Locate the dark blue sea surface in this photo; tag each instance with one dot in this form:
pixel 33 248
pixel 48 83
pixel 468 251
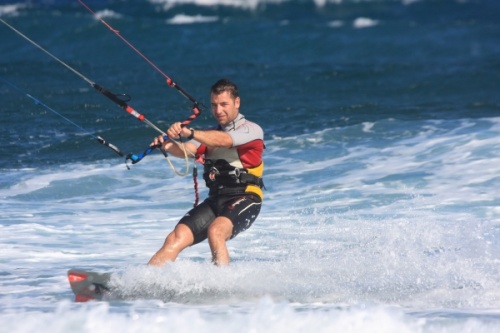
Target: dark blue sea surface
pixel 300 67
pixel 382 123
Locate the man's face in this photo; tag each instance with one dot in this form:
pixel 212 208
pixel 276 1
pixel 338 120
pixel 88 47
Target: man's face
pixel 224 107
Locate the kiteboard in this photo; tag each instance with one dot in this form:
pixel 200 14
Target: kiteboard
pixel 89 286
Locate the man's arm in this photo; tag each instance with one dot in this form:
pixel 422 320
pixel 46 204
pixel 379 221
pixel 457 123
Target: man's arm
pixel 177 150
pixel 211 138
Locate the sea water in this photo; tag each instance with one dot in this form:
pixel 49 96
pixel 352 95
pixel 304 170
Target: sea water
pixel 382 123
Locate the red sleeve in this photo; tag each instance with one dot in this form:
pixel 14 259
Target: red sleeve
pixel 250 153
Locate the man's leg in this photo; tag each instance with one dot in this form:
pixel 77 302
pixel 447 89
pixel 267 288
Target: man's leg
pixel 219 232
pixel 237 215
pixel 180 238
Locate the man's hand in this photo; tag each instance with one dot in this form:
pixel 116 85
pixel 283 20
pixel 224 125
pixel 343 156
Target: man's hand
pixel 160 140
pixel 177 131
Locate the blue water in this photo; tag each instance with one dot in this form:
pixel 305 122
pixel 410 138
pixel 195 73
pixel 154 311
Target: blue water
pixel 382 123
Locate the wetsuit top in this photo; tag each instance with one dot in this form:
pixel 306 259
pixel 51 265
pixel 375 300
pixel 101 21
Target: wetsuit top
pixel 245 155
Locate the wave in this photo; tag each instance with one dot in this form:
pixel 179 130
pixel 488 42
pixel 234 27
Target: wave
pixel 363 22
pixel 243 4
pixel 186 19
pixel 106 13
pixel 263 316
pixel 359 23
pixel 254 4
pixel 11 10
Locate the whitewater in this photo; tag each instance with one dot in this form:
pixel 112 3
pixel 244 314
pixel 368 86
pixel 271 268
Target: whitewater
pixel 355 239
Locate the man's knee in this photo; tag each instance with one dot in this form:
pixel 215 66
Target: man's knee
pixel 221 228
pixel 180 237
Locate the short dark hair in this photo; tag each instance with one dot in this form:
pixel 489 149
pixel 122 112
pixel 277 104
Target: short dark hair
pixel 225 85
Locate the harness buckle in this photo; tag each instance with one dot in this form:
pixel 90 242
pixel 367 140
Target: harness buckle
pixel 236 172
pixel 213 173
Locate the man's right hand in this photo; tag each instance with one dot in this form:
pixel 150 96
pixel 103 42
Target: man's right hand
pixel 159 141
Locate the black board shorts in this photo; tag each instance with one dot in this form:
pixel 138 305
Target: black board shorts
pixel 241 209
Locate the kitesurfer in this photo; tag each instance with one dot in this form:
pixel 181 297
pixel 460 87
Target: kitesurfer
pixel 232 157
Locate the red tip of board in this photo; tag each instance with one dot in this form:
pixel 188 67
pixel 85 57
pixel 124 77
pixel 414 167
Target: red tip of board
pixel 83 298
pixel 75 277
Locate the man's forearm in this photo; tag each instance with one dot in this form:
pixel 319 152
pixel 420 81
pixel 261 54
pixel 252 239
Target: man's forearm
pixel 213 138
pixel 177 151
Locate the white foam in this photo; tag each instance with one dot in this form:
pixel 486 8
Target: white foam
pixel 12 9
pixel 186 19
pixel 322 3
pixel 364 22
pixel 244 4
pixel 107 13
pixel 263 316
pixel 375 213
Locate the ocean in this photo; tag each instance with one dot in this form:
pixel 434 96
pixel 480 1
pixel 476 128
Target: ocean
pixel 382 123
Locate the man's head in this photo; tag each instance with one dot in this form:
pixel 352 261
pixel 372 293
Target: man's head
pixel 225 101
